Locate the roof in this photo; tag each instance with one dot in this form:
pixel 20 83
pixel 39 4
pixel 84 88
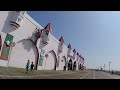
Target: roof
pixel 69 46
pixel 48 27
pixel 79 55
pixel 74 51
pixel 61 39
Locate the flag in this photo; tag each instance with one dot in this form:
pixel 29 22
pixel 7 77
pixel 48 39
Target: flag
pixel 41 57
pixel 6 47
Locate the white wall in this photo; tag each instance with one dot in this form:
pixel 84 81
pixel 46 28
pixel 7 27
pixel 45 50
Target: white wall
pixel 27 28
pixel 20 55
pixel 3 22
pixel 22 52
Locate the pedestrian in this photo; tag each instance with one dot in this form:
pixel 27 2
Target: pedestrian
pixel 27 66
pixel 112 72
pixel 69 66
pixel 31 67
pixel 64 68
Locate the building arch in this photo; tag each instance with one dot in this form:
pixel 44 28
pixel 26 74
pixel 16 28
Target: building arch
pixel 70 60
pixel 70 64
pixel 24 49
pixel 50 61
pixel 63 63
pixel 80 66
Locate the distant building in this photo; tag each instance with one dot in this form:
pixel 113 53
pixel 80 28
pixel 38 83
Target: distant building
pixel 22 39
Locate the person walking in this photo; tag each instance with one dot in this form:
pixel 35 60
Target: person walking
pixel 69 66
pixel 31 67
pixel 27 66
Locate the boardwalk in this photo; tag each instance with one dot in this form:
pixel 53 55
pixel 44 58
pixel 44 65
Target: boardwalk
pixel 87 74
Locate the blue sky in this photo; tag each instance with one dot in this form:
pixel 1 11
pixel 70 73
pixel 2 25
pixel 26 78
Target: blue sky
pixel 94 34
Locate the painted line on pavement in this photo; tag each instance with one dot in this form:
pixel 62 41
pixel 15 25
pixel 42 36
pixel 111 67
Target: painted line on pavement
pixel 85 75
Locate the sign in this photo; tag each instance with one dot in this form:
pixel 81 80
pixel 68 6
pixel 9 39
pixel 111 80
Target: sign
pixel 6 47
pixel 41 57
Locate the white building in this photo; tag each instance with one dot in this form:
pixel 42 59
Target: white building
pixel 22 39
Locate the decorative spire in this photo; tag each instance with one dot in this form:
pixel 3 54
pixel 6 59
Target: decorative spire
pixel 83 58
pixel 77 53
pixel 48 27
pixel 69 46
pixel 74 51
pixel 61 39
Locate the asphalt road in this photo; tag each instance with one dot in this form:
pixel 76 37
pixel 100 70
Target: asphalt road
pixel 87 74
pixel 90 74
pixel 99 75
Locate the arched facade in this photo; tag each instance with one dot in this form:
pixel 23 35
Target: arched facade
pixel 62 63
pixel 26 50
pixel 29 43
pixel 50 61
pixel 70 64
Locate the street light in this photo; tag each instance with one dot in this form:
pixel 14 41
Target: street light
pixel 104 67
pixel 109 66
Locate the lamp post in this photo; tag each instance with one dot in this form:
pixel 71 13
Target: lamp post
pixel 109 66
pixel 104 67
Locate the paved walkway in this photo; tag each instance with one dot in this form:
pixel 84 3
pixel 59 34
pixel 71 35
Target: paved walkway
pixel 87 74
